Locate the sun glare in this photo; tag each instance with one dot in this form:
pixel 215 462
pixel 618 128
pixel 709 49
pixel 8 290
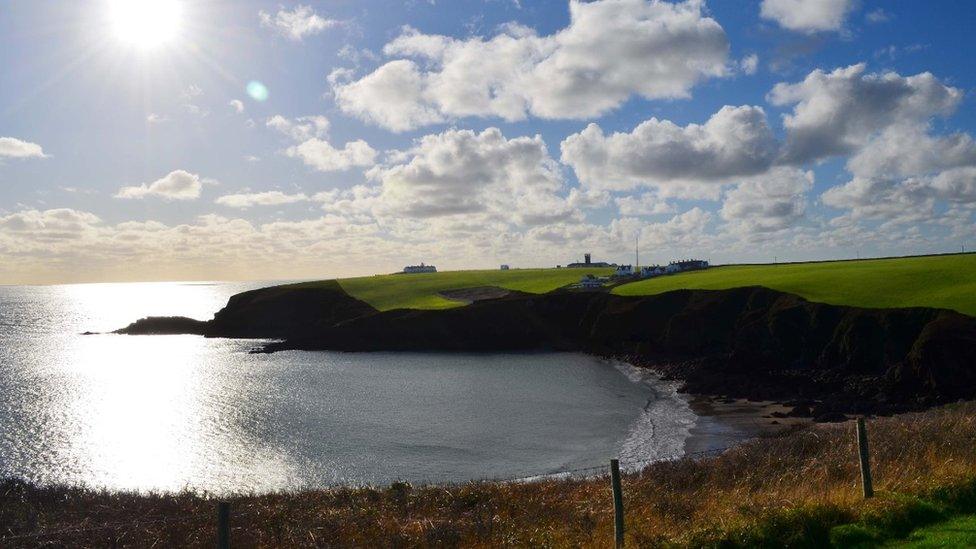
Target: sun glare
pixel 145 23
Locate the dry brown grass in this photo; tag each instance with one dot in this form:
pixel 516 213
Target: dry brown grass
pixel 722 500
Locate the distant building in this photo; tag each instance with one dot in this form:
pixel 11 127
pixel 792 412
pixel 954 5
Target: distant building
pixel 411 269
pixel 651 271
pixel 686 265
pixel 504 267
pixel 589 263
pixel 624 270
pixel 590 282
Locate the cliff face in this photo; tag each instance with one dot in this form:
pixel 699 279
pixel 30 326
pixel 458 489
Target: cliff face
pixel 745 342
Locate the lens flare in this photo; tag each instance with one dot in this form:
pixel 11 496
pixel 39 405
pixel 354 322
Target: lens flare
pixel 257 90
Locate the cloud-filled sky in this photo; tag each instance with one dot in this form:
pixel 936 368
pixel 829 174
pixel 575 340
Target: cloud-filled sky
pixel 207 140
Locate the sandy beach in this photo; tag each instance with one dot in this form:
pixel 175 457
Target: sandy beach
pixel 726 422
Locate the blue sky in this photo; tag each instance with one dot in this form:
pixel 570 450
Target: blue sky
pixel 473 133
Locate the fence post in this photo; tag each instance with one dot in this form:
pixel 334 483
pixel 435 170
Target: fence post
pixel 223 525
pixel 618 504
pixel 865 458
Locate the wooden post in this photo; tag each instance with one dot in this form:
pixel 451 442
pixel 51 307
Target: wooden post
pixel 865 458
pixel 223 525
pixel 618 504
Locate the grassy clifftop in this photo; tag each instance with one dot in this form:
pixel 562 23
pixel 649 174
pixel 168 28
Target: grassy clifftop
pixel 946 282
pixel 421 291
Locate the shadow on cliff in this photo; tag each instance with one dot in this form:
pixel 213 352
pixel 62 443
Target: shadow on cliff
pixel 745 343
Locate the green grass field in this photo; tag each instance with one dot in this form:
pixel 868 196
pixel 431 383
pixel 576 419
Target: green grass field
pixel 420 291
pixel 958 532
pixel 947 281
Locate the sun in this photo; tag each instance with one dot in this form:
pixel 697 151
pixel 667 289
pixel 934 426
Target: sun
pixel 146 24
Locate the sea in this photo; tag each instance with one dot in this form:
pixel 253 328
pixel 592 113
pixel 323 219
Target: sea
pixel 174 413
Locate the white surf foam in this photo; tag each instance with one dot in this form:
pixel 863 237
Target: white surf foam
pixel 659 432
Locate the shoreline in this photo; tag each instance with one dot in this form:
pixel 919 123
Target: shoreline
pixel 724 422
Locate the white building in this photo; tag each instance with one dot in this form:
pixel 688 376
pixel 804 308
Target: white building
pixel 686 265
pixel 652 271
pixel 410 269
pixel 590 282
pixel 624 270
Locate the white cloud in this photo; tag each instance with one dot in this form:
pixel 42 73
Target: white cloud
pixel 50 225
pixel 153 118
pixel 903 173
pixel 767 203
pixel 393 97
pixel 460 172
pixel 237 105
pixel 301 128
pixel 315 151
pixel 909 150
pixel 297 23
pixel 646 204
pixel 686 232
pixel 611 50
pixel 749 64
pixel 877 15
pixel 11 147
pixel 322 156
pixel 836 113
pixel 268 198
pixel 176 185
pixel 807 16
pixel 735 141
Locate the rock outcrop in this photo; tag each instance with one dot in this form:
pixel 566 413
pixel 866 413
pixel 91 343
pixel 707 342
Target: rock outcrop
pixel 746 342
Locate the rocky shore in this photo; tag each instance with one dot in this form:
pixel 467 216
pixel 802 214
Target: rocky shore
pixel 823 361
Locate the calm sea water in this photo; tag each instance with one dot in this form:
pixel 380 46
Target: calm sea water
pixel 173 412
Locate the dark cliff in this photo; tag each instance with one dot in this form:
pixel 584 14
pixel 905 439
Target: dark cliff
pixel 746 342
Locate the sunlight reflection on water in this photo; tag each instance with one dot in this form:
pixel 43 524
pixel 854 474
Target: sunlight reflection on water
pixel 168 412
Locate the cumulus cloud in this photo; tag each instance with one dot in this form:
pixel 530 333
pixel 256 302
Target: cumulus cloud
pixel 901 171
pixel 735 141
pixel 11 147
pixel 462 172
pixel 749 64
pixel 50 225
pixel 301 128
pixel 322 156
pixel 315 151
pixel 900 175
pixel 835 113
pixel 176 185
pixel 807 16
pixel 268 198
pixel 687 231
pixel 771 202
pixel 908 150
pixel 611 50
pixel 649 203
pixel 237 105
pixel 297 23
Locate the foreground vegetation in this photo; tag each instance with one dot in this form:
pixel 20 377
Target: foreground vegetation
pixel 421 291
pixel 799 490
pixel 946 281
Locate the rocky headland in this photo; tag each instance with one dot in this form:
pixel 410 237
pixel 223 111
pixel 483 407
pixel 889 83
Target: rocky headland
pixel 755 343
